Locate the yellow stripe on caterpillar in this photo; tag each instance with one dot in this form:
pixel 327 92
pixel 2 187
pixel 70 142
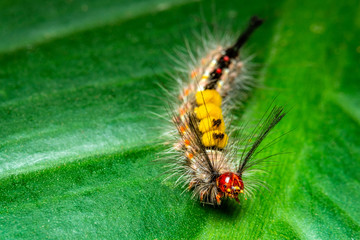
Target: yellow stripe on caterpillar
pixel 208 110
pixel 208 96
pixel 215 139
pixel 211 123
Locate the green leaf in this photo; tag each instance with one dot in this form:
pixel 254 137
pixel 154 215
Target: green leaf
pixel 76 82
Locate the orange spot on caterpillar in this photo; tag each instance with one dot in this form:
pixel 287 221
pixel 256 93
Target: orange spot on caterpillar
pixel 182 111
pixel 182 129
pixel 186 91
pixel 189 155
pixel 193 74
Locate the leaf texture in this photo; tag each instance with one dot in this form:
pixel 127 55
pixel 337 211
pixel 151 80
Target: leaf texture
pixel 76 82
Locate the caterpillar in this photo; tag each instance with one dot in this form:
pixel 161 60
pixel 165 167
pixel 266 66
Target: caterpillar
pixel 209 156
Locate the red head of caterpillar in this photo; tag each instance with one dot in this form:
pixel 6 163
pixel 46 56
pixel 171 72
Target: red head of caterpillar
pixel 204 156
pixel 230 184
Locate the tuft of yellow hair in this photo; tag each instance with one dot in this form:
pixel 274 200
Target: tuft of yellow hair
pixel 211 123
pixel 208 96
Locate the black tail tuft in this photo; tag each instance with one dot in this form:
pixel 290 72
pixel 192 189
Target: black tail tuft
pixel 254 23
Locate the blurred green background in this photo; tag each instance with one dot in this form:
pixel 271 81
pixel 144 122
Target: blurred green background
pixel 75 145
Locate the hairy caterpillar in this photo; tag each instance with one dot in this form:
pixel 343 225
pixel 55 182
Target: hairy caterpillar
pixel 202 158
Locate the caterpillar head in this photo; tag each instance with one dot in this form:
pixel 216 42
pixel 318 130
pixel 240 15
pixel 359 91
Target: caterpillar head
pixel 230 184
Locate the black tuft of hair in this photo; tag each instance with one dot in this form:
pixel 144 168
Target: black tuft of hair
pixel 254 23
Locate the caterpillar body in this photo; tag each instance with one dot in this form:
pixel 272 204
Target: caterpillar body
pixel 208 161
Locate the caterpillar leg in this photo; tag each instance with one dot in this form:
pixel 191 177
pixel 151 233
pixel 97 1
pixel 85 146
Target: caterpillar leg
pixel 202 196
pixel 191 185
pixel 218 197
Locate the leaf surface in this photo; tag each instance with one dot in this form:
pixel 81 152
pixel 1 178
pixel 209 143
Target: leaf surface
pixel 77 80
